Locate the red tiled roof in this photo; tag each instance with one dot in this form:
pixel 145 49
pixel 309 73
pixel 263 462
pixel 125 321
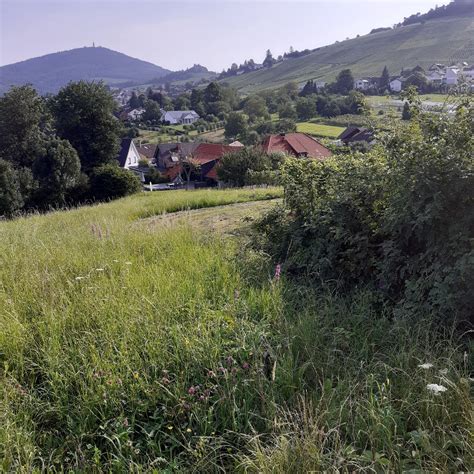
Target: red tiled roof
pixel 296 144
pixel 212 151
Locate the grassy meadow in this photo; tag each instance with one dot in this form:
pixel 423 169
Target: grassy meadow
pixel 319 130
pixel 135 339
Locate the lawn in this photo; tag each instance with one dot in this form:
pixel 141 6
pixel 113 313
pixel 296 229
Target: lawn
pixel 149 335
pixel 319 130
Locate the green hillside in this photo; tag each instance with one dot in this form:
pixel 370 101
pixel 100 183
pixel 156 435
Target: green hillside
pixel 444 41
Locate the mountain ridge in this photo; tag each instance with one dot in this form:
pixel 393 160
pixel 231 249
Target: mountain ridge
pixel 49 72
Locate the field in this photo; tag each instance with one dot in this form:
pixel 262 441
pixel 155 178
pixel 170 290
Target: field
pixel 146 335
pixel 151 136
pixel 439 41
pixel 319 130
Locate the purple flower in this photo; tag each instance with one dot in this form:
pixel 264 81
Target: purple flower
pixel 245 366
pixel 192 390
pixel 277 272
pixel 229 360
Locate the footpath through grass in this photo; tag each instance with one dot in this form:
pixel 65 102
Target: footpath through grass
pixel 134 347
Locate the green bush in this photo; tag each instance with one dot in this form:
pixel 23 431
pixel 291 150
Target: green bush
pixel 111 182
pixel 399 218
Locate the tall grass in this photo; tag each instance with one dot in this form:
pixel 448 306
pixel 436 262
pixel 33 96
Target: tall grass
pixel 130 348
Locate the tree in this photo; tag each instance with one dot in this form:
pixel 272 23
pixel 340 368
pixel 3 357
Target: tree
pixel 406 113
pixel 255 107
pixel 287 111
pixel 344 82
pixel 182 102
pixel 234 167
pixel 189 167
pixel 269 61
pixel 11 200
pixel 152 111
pixel 236 125
pixel 356 103
pixel 134 102
pixel 212 93
pixel 417 79
pixel 384 81
pixel 83 113
pixel 57 172
pixel 109 181
pixel 23 120
pixel 305 108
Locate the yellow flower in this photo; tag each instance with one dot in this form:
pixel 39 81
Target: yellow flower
pixel 188 430
pixel 135 375
pixel 170 427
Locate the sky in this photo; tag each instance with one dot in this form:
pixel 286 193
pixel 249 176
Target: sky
pixel 177 34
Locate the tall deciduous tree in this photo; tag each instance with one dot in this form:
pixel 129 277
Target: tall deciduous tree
pixel 10 195
pixel 57 171
pixel 236 125
pixel 83 113
pixel 22 123
pixel 384 82
pixel 344 82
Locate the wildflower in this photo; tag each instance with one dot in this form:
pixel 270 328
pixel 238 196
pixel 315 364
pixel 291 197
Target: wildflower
pixel 188 430
pixel 277 272
pixel 211 373
pixel 128 263
pixel 229 360
pixel 99 269
pixel 222 370
pixel 192 390
pixel 125 422
pixel 234 370
pixel 435 388
pixel 135 375
pixel 245 366
pixel 425 366
pixel 165 381
pixel 443 372
pixel 236 294
pixel 79 278
pixel 170 427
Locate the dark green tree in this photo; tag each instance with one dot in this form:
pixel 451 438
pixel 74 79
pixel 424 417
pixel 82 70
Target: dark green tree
pixel 83 113
pixel 134 101
pixel 406 112
pixel 344 82
pixel 11 200
pixel 236 125
pixel 212 93
pixel 384 81
pixel 57 171
pixel 255 107
pixel 110 182
pixel 23 120
pixel 269 61
pixel 305 108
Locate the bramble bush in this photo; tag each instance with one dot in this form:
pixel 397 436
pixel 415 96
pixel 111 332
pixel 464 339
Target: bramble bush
pixel 399 218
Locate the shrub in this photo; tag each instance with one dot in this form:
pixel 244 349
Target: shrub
pixel 399 218
pixel 11 199
pixel 111 182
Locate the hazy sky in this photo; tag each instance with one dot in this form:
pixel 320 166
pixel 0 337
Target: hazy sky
pixel 177 34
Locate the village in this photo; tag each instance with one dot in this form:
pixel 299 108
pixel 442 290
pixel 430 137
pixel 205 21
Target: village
pixel 187 137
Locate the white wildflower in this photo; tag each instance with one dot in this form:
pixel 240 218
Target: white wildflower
pixel 443 372
pixel 115 261
pixel 425 366
pixel 128 263
pixel 99 269
pixel 79 278
pixel 435 388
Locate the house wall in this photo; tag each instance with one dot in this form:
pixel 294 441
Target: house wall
pixel 133 157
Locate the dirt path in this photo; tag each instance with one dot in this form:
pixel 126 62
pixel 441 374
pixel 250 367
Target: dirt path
pixel 227 219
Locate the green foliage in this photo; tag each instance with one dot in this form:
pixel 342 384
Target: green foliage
pixel 406 114
pixel 22 123
pixel 57 172
pixel 236 125
pixel 154 176
pixel 399 218
pixel 111 182
pixel 83 113
pixel 152 111
pixel 344 82
pixel 11 199
pixel 305 108
pixel 249 166
pixel 255 108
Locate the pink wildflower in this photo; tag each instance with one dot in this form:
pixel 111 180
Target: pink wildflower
pixel 277 272
pixel 192 390
pixel 245 366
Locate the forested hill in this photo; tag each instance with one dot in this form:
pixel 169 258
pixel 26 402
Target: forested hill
pixel 445 40
pixel 48 73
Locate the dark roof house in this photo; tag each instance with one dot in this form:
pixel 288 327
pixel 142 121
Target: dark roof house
pixel 356 134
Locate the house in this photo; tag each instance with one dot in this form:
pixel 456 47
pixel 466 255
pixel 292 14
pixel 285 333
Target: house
pixel 168 157
pixel 129 158
pixel 356 134
pixel 435 78
pixel 146 151
pixel 296 144
pixel 396 85
pixel 179 117
pixel 452 76
pixel 362 84
pixel 136 114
